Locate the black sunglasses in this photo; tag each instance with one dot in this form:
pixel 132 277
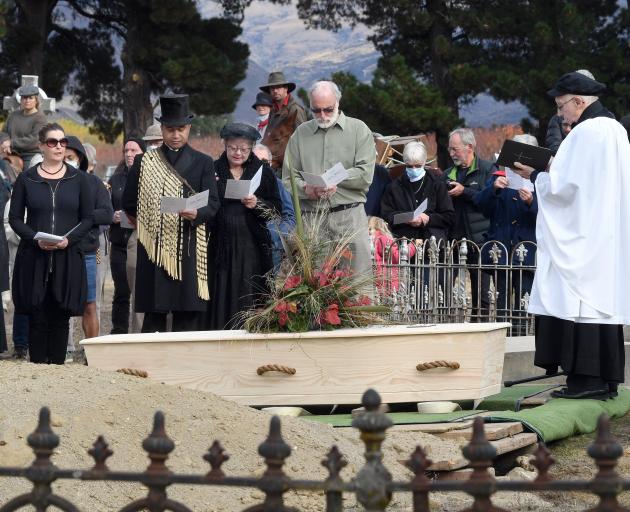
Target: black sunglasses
pixel 52 143
pixel 327 110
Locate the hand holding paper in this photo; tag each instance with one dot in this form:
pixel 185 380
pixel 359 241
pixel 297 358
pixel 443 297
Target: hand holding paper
pixel 408 217
pixel 240 189
pixel 333 176
pixel 177 204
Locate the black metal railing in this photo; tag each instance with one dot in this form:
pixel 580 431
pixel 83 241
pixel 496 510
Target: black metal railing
pixel 373 485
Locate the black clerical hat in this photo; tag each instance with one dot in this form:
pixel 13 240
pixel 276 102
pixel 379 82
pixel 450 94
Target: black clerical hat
pixel 175 111
pixel 576 83
pixel 262 98
pixel 239 130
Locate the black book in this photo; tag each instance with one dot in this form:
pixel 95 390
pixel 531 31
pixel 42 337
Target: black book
pixel 526 154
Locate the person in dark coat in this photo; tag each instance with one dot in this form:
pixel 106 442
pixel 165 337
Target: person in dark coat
pixel 172 266
pixel 103 213
pixel 4 266
pixel 380 182
pixel 49 279
pixel 241 247
pixel 465 178
pixel 119 237
pixel 512 214
pixel 410 190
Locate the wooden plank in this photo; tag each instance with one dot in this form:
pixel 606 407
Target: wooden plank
pixel 331 367
pixel 494 431
pixel 502 446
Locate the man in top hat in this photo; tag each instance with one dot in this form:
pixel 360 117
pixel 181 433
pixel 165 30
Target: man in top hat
pixel 262 106
pixel 153 136
pixel 171 271
pixel 580 294
pixel 285 113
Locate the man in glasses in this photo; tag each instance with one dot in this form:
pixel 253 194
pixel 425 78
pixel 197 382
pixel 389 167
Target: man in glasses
pixel 24 124
pixel 580 294
pixel 285 116
pixel 317 145
pixel 465 179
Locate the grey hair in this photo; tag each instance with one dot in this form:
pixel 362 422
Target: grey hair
pixel 262 147
pixel 466 134
pixel 526 138
pixel 414 153
pixel 587 99
pixel 325 84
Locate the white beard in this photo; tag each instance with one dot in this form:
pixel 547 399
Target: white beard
pixel 327 124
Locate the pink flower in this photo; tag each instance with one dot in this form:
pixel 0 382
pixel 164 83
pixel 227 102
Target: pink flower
pixel 292 282
pixel 330 315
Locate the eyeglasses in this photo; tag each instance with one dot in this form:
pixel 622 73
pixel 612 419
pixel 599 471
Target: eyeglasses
pixel 52 143
pixel 327 110
pixel 559 107
pixel 236 149
pixel 27 97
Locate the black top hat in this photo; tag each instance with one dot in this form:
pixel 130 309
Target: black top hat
pixel 175 111
pixel 276 78
pixel 262 98
pixel 576 83
pixel 239 130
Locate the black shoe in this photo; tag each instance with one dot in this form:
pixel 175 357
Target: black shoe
pixel 20 354
pixel 612 389
pixel 593 394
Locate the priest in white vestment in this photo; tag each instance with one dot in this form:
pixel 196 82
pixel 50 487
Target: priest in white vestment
pixel 580 295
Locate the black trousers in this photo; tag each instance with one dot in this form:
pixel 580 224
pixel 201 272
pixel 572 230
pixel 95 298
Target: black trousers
pixel 182 321
pixel 122 292
pixel 48 332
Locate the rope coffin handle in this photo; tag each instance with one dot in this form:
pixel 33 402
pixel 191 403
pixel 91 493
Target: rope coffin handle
pixel 134 372
pixel 261 370
pixel 453 365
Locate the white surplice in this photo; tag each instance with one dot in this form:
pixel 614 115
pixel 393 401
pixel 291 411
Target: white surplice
pixel 583 228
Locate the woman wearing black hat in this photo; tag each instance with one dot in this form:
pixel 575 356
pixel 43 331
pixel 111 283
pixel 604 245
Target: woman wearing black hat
pixel 49 281
pixel 76 157
pixel 241 244
pixel 119 235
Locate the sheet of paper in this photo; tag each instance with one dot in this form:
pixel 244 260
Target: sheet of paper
pixel 333 176
pixel 172 204
pixel 238 189
pixel 517 182
pixel 47 237
pixel 197 201
pixel 404 218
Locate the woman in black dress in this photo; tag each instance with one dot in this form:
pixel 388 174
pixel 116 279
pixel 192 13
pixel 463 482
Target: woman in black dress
pixel 240 245
pixel 49 278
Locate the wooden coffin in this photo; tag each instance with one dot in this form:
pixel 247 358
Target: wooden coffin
pixel 331 367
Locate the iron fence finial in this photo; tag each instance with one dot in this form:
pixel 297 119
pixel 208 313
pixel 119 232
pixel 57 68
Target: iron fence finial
pixel 158 445
pixel 100 452
pixel 43 440
pixel 216 456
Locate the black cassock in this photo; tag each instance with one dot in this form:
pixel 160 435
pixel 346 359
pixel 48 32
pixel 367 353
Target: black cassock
pixel 156 291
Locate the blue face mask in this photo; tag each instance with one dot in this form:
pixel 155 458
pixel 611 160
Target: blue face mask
pixel 415 173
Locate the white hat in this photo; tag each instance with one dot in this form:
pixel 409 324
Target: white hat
pixel 154 132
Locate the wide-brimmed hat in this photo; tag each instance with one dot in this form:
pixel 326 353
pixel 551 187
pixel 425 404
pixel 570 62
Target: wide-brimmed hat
pixel 576 83
pixel 239 130
pixel 276 78
pixel 262 98
pixel 154 132
pixel 28 90
pixel 175 110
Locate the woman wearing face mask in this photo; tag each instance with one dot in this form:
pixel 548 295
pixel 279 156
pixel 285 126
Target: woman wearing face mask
pixel 75 156
pixel 410 190
pixel 49 282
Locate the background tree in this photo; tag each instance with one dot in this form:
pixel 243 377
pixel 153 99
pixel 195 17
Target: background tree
pixel 116 56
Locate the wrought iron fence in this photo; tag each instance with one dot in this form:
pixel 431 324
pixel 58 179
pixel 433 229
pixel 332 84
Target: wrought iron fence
pixel 434 281
pixel 373 485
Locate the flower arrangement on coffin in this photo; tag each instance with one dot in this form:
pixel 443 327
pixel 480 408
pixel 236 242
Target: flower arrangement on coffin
pixel 315 288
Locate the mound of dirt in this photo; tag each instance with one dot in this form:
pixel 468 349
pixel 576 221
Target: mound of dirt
pixel 86 402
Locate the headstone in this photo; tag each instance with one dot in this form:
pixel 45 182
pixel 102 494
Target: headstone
pixel 46 104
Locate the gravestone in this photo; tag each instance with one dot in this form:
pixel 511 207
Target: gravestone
pixel 46 104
